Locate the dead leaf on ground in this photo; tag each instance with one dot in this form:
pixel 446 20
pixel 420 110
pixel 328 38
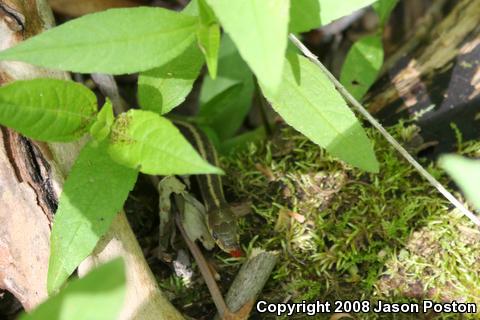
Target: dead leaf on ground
pixel 297 216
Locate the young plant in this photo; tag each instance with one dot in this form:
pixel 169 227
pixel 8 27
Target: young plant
pixel 365 58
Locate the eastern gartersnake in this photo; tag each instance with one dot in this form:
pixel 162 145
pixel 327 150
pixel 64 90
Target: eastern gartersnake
pixel 220 220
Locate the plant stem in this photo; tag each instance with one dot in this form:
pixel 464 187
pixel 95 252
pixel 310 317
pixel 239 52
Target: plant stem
pixel 204 270
pixel 353 102
pixel 262 107
pixel 108 86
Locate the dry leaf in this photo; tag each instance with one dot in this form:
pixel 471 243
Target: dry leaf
pixel 297 216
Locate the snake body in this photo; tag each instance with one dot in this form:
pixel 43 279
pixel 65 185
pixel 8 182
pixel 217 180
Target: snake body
pixel 221 221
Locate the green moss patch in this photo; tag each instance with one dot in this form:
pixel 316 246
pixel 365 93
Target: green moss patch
pixel 345 234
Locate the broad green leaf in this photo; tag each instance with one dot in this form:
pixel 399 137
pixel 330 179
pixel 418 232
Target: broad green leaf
pixel 466 173
pixel 220 112
pixel 163 88
pixel 310 14
pixel 152 144
pixel 308 101
pixel 47 109
pixel 208 35
pixel 115 41
pixel 259 30
pixel 333 9
pixel 94 192
pixel 304 15
pixel 225 101
pixel 232 70
pixel 206 13
pixel 97 296
pixel 191 8
pixel 384 8
pixel 362 65
pixel 100 129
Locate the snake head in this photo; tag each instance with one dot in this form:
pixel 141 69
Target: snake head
pixel 222 224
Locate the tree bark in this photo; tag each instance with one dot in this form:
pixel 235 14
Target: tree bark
pixel 26 172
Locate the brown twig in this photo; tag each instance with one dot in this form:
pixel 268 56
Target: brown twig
pixel 205 271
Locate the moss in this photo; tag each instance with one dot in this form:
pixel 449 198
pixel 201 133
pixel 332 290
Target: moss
pixel 344 234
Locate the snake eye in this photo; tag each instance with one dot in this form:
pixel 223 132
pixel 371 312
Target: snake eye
pixel 214 236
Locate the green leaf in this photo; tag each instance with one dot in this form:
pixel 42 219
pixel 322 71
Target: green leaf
pixel 384 8
pixel 191 8
pixel 310 14
pixel 309 102
pixel 333 9
pixel 94 192
pixel 362 65
pixel 97 296
pixel 232 70
pixel 115 41
pixel 152 144
pixel 163 88
pixel 304 15
pixel 225 101
pixel 221 113
pixel 259 29
pixel 240 142
pixel 47 109
pixel 100 129
pixel 208 35
pixel 466 173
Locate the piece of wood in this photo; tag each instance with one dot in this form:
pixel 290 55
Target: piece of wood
pixel 435 78
pixel 24 228
pixel 250 281
pixel 30 181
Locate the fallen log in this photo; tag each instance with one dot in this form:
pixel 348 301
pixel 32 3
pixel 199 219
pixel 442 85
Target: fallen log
pixel 435 81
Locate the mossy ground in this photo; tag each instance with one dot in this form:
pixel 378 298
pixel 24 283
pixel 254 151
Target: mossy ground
pixel 344 234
